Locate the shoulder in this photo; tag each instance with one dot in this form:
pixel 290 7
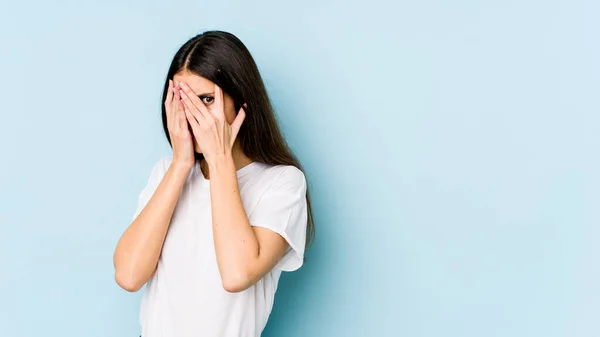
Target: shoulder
pixel 164 162
pixel 284 176
pixel 161 165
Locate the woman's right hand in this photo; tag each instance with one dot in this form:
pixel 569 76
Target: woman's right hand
pixel 138 250
pixel 179 132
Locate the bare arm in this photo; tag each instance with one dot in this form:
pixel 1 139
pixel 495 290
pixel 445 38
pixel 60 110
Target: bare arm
pixel 244 253
pixel 139 248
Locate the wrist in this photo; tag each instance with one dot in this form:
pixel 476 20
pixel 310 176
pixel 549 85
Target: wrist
pixel 219 162
pixel 182 166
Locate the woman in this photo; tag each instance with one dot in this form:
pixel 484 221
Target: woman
pixel 220 219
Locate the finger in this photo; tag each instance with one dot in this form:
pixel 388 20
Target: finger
pixel 175 103
pixel 178 103
pixel 202 118
pixel 176 108
pixel 237 123
pixel 183 123
pixel 178 98
pixel 169 97
pixel 185 90
pixel 192 122
pixel 218 104
pixel 176 92
pixel 169 101
pixel 194 100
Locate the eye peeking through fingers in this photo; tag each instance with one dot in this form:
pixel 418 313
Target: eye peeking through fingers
pixel 206 99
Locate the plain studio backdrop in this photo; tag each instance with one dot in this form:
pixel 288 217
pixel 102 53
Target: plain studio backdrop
pixel 451 148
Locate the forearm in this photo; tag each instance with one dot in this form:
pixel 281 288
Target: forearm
pixel 139 248
pixel 236 245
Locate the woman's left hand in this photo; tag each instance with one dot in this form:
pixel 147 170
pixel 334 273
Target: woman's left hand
pixel 210 127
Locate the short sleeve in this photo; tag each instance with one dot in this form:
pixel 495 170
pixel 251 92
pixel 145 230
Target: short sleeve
pixel 154 179
pixel 282 208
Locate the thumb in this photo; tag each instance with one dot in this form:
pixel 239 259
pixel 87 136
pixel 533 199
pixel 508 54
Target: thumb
pixel 237 123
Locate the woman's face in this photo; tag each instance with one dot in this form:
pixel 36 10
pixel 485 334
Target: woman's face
pixel 205 90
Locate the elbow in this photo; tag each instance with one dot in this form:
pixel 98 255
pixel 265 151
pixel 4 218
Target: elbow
pixel 235 287
pixel 236 282
pixel 128 283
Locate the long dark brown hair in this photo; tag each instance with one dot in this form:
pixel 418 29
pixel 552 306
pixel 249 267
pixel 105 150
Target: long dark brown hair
pixel 223 59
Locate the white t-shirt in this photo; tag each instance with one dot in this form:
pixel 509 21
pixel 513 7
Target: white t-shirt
pixel 185 296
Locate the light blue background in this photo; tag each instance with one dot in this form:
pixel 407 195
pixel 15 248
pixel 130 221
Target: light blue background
pixel 451 148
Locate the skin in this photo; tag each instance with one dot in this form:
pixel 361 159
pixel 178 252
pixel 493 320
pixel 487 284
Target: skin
pixel 201 118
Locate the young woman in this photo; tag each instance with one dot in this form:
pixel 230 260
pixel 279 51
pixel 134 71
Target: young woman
pixel 220 219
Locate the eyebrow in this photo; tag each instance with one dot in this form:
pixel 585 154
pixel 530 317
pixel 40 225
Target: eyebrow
pixel 206 94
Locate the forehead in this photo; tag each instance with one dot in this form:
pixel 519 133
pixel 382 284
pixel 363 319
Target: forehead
pixel 198 83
